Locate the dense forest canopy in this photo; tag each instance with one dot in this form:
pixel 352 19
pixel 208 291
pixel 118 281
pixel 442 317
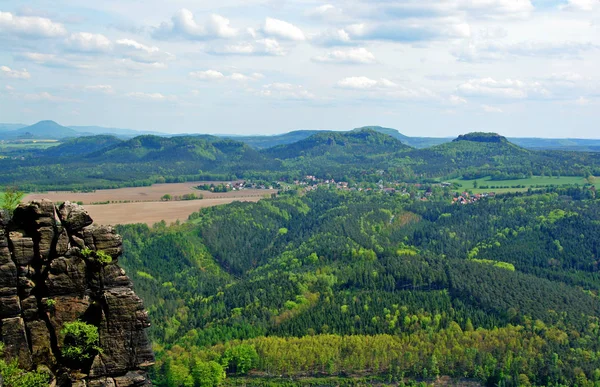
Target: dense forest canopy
pixel 334 283
pixel 362 155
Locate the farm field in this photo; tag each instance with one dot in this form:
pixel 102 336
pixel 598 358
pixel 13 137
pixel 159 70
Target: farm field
pixel 144 205
pixel 143 194
pixel 153 212
pixel 527 183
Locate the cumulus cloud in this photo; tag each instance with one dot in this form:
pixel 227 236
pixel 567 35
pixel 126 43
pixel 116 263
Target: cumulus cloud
pixel 415 31
pixel 494 51
pixel 497 8
pixel 158 97
pixel 214 75
pixel 50 60
pixel 260 47
pixel 456 100
pixel 351 56
pixel 386 89
pixel 16 74
pixel 46 96
pixel 208 75
pixel 88 42
pixel 286 91
pixel 184 25
pixel 505 89
pixel 104 89
pixel 364 83
pixel 141 52
pixel 282 30
pixel 32 27
pixel 333 37
pixel 580 5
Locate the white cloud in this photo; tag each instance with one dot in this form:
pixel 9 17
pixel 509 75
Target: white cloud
pixel 260 47
pixel 184 25
pixel 385 89
pixel 456 100
pixel 214 75
pixel 29 26
pixel 491 109
pixel 208 75
pixel 283 30
pixel 409 32
pixel 45 96
pixel 104 89
pixel 88 42
pixel 239 77
pixel 364 83
pixel 352 56
pixel 580 5
pixel 493 51
pixel 150 96
pixel 333 37
pixel 49 60
pixel 508 88
pixel 7 71
pixel 142 53
pixel 497 8
pixel 286 91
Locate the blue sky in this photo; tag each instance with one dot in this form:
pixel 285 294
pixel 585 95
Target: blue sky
pixel 427 68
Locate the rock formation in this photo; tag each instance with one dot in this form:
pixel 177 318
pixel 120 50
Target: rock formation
pixel 51 274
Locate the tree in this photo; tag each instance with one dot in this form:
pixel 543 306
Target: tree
pixel 240 359
pixel 210 374
pixel 11 199
pixel 81 341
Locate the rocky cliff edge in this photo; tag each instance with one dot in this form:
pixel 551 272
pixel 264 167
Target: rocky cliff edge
pixel 50 275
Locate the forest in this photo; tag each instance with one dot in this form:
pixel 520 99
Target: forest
pixel 363 155
pixel 359 288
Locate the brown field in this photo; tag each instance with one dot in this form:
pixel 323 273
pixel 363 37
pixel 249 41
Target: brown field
pixel 153 212
pixel 143 205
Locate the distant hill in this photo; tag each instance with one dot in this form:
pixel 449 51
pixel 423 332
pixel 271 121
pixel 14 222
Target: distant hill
pixel 114 131
pixel 82 146
pixel 40 130
pixel 354 144
pixel 201 153
pixel 263 142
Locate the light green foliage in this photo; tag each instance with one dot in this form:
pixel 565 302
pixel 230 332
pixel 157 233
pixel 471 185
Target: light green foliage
pixel 12 376
pixel 10 199
pixel 501 265
pixel 100 256
pixel 81 341
pixel 240 359
pixel 208 374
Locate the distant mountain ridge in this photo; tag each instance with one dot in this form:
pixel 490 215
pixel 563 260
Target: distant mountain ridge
pixel 52 130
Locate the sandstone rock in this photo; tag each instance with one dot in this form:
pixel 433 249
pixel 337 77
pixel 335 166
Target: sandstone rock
pixel 15 340
pixel 41 350
pixel 74 217
pixel 22 249
pixel 45 282
pixel 66 276
pixel 10 306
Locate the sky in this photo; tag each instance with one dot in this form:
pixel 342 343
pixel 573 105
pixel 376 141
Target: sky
pixel 522 68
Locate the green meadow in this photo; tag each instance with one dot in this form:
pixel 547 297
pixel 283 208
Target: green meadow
pixel 518 185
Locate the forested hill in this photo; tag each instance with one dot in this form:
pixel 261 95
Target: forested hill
pixel 340 146
pixel 362 155
pixel 503 291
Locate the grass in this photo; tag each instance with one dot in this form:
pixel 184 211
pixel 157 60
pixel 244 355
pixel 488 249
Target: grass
pixel 524 184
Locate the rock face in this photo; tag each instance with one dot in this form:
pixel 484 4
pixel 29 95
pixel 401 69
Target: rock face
pixel 51 274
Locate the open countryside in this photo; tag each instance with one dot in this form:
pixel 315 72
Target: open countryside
pixel 145 204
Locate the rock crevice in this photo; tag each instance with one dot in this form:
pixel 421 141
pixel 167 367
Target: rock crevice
pixel 50 275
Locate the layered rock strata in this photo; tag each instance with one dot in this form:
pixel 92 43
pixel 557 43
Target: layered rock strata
pixel 50 275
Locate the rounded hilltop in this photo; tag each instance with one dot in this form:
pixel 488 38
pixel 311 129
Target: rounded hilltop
pixel 481 137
